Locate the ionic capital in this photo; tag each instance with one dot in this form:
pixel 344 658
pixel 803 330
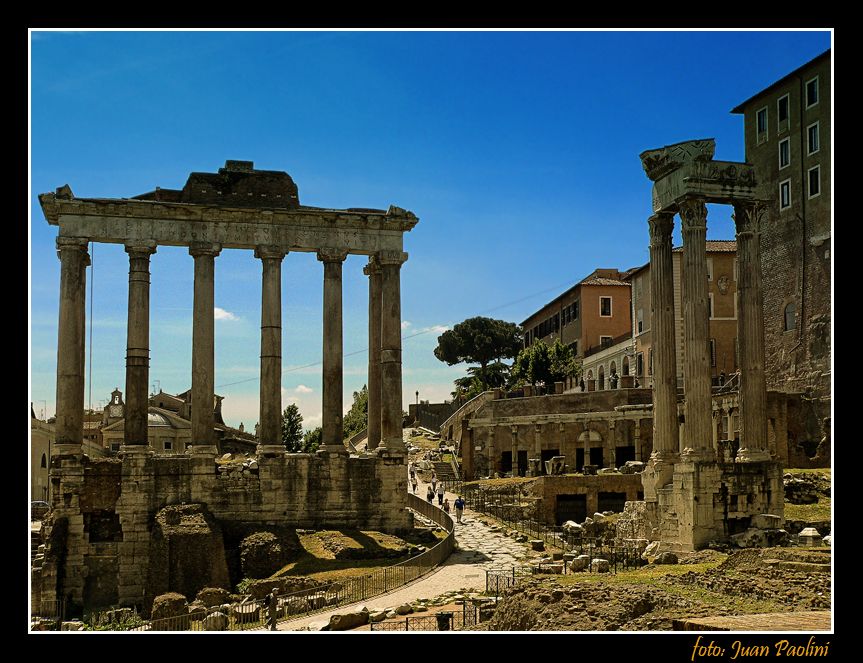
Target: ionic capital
pixel 373 267
pixel 270 252
pixel 76 244
pixel 391 257
pixel 332 255
pixel 747 216
pixel 661 224
pixel 205 249
pixel 693 214
pixel 141 248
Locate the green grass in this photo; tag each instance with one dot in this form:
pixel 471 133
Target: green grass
pixel 819 511
pixel 823 471
pixel 510 481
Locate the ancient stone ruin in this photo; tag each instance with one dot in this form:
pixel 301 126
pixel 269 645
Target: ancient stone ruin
pixel 691 497
pixel 111 540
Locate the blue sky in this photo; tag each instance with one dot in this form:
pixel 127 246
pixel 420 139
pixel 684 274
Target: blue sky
pixel 517 150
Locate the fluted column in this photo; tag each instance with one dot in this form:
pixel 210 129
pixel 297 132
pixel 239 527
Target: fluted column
pixel 391 348
pixel 514 432
pixel 138 344
pixel 373 271
pixel 270 414
pixel 698 438
pixel 333 432
pixel 665 437
pixel 750 334
pixel 69 427
pixel 492 459
pixel 203 346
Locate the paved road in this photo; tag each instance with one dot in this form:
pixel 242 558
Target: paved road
pixel 478 549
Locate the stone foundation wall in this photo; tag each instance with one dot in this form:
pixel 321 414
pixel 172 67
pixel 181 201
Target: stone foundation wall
pixel 549 487
pixel 106 510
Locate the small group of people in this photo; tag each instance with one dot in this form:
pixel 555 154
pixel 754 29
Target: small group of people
pixel 431 491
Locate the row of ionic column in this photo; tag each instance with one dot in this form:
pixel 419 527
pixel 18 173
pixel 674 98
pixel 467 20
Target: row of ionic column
pixel 385 388
pixel 698 436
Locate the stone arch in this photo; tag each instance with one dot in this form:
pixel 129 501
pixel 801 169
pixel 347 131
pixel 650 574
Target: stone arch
pixel 589 435
pixel 789 316
pixel 590 374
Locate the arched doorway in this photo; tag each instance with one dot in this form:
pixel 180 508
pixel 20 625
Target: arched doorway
pixel 600 378
pixel 612 375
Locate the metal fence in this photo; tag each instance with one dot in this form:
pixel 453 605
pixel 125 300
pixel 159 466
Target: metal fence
pixel 50 614
pixel 442 621
pixel 256 614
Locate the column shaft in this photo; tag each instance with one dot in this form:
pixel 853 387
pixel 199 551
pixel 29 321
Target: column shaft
pixel 333 431
pixel 270 415
pixel 750 335
pixel 696 328
pixel 492 458
pixel 203 344
pixel 138 344
pixel 665 436
pixel 373 271
pixel 391 349
pixel 69 427
pixel 514 432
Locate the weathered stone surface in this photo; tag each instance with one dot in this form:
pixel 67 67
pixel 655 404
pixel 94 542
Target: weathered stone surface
pixel 828 540
pixel 404 609
pixel 171 604
pixel 216 621
pixel 600 565
pixel 213 596
pixel 809 537
pixel 378 616
pixel 751 538
pixel 537 545
pixel 349 620
pixel 261 555
pixel 580 563
pixel 765 521
pixel 665 558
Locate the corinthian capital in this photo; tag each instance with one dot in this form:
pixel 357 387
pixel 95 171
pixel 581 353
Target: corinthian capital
pixel 693 214
pixel 661 225
pixel 748 216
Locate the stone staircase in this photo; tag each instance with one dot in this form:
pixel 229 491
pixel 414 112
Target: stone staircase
pixel 35 542
pixel 444 471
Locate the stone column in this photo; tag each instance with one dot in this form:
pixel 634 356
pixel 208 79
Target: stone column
pixel 750 334
pixel 391 348
pixel 665 445
pixel 586 444
pixel 138 344
pixel 203 348
pixel 69 429
pixel 373 271
pixel 270 414
pixel 612 444
pixel 696 331
pixel 514 432
pixel 637 437
pixel 333 351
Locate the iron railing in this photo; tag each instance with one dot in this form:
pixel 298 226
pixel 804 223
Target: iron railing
pixel 456 620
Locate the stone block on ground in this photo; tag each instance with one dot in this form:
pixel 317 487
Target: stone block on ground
pixel 349 620
pixel 216 621
pixel 751 538
pixel 378 616
pixel 665 558
pixel 765 521
pixel 599 565
pixel 213 596
pixel 650 550
pixel 537 545
pixel 168 605
pixel 404 609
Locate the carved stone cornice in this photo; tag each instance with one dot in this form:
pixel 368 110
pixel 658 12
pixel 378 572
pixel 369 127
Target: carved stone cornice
pixel 660 162
pixel 391 257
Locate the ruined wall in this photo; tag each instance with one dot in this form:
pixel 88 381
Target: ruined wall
pixel 107 509
pixel 550 487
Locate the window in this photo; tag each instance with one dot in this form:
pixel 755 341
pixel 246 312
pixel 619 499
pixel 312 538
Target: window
pixel 734 270
pixel 605 307
pixel 566 316
pixel 575 310
pixel 650 362
pixel 713 352
pixel 640 320
pixel 812 142
pixel 710 305
pixel 812 92
pixel 782 113
pixel 709 268
pixel 44 461
pixel 115 446
pixel 814 181
pixel 784 153
pixel 761 125
pixel 639 364
pixel 574 347
pixel 168 445
pixel 605 341
pixel 785 194
pixel 790 317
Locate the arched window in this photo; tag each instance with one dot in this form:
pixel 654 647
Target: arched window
pixel 600 376
pixel 790 317
pixel 626 365
pixel 44 461
pixel 590 375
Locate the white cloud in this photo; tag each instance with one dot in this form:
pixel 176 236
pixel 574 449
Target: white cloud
pixel 406 324
pixel 303 389
pixel 222 314
pixel 438 329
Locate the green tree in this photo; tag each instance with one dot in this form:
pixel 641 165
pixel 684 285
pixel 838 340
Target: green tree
pixel 292 428
pixel 479 341
pixel 543 364
pixel 357 417
pixel 312 440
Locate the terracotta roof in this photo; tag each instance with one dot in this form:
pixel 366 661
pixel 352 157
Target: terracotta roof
pixel 598 280
pixel 716 246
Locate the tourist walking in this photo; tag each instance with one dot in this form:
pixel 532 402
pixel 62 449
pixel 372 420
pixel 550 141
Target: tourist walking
pixel 430 495
pixel 272 609
pixel 414 484
pixel 459 508
pixel 446 506
pixel 440 492
pixel 434 480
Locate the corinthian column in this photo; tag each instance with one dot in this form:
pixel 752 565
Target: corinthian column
pixel 270 428
pixel 750 334
pixel 665 438
pixel 391 349
pixel 138 344
pixel 696 335
pixel 332 432
pixel 69 429
pixel 373 271
pixel 203 347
